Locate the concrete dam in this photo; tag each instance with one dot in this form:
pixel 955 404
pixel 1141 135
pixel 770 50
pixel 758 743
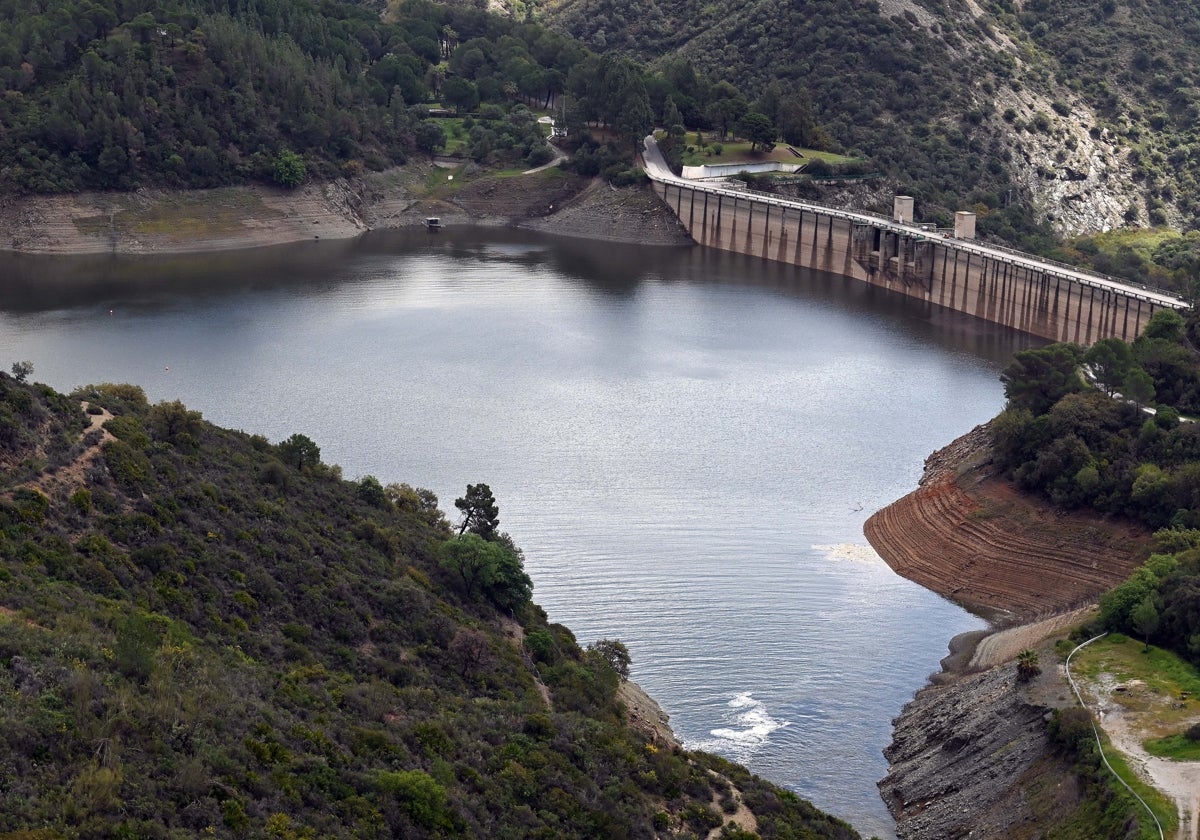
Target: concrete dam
pixel 949 269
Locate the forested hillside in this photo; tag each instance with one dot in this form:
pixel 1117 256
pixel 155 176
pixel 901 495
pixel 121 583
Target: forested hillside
pixel 1075 432
pixel 206 634
pixel 199 93
pixel 1079 114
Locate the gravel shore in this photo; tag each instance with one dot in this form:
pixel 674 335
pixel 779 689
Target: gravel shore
pixel 152 221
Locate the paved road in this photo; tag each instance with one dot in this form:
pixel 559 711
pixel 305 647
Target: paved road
pixel 657 170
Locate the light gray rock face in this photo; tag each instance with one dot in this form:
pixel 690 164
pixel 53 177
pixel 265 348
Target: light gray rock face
pixel 956 756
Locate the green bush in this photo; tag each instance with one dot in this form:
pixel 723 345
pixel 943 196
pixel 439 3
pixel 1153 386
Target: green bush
pixel 289 169
pixel 421 797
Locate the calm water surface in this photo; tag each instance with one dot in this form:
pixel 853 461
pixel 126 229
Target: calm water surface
pixel 685 443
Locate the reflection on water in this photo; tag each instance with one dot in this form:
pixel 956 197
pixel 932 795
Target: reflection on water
pixel 684 442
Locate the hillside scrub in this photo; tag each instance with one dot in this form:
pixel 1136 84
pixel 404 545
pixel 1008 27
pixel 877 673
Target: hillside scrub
pixel 203 634
pixel 1084 446
pixel 999 107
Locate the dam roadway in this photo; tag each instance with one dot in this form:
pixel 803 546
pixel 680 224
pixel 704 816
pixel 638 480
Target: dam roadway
pixel 1017 290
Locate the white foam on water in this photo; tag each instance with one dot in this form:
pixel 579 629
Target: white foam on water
pixel 849 551
pixel 749 727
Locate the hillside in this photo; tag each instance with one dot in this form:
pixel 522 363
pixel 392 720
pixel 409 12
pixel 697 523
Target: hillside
pixel 200 94
pixel 1074 114
pixel 204 633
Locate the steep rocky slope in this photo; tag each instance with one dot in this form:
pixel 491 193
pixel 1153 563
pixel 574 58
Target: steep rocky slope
pixel 1079 114
pixel 957 753
pixel 973 538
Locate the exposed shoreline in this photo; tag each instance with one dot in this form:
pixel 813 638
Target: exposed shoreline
pixel 970 536
pixel 158 221
pixel 969 753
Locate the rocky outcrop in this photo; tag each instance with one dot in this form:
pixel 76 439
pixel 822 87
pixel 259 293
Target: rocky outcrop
pixel 644 715
pixel 967 759
pixel 970 536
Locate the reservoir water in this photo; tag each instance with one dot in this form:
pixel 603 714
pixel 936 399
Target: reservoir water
pixel 685 443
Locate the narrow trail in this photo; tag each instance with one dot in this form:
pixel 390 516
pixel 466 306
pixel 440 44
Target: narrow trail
pixel 71 474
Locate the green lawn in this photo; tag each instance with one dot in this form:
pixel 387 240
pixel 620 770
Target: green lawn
pixel 1163 807
pixel 1174 747
pixel 738 151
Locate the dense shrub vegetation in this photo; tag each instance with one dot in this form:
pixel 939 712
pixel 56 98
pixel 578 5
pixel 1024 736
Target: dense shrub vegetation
pixel 206 634
pixel 1075 432
pixel 1090 444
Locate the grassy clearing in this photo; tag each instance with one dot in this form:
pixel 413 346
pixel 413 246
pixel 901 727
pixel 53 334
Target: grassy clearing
pixel 1174 747
pixel 1169 680
pixel 739 151
pixel 456 134
pixel 1162 807
pixel 441 183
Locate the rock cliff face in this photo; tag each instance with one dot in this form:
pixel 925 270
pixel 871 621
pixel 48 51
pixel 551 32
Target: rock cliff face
pixel 970 536
pixel 957 755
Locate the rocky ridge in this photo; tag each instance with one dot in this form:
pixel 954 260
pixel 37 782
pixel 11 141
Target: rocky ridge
pixel 956 754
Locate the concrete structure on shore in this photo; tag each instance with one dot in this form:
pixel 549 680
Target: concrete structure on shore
pixel 947 268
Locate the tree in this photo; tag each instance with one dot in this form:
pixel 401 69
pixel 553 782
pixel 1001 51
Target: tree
pixel 301 451
pixel 171 421
pixel 22 370
pixel 371 492
pixel 472 652
pixel 417 793
pixel 1138 387
pixel 480 514
pixel 614 652
pixel 460 94
pixel 1027 665
pixel 487 569
pixel 1109 360
pixel 1164 325
pixel 672 119
pixel 289 169
pixel 429 136
pixel 1037 379
pixel 505 582
pixel 1144 618
pixel 468 557
pixel 757 128
pixel 725 107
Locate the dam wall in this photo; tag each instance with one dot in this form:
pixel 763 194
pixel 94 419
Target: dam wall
pixel 1004 287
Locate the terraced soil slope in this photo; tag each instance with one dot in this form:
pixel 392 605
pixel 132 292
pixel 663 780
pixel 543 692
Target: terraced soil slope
pixel 970 536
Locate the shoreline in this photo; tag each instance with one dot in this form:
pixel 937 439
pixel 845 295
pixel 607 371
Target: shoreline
pixel 186 222
pixel 970 749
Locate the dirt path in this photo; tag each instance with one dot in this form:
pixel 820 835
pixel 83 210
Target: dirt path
pixel 742 818
pixel 1180 780
pixel 71 475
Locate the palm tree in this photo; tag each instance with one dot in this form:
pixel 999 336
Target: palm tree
pixel 1027 665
